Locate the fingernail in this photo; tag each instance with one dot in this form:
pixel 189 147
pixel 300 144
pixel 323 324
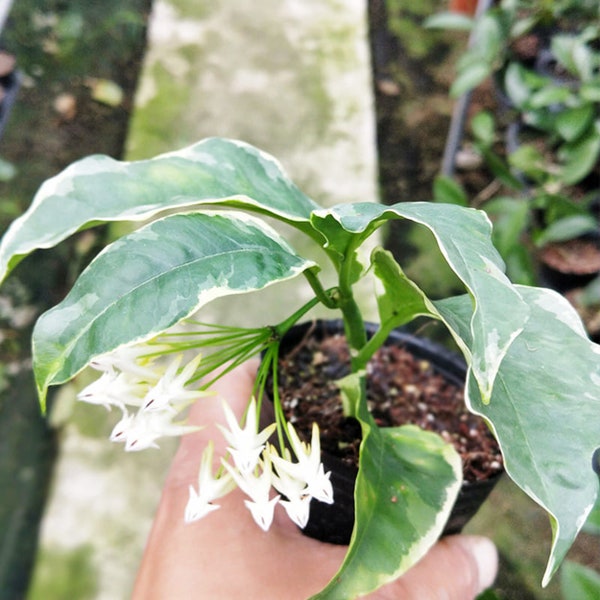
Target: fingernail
pixel 486 557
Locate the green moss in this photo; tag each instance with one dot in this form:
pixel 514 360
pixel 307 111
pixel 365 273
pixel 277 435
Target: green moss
pixel 64 574
pixel 195 9
pixel 158 123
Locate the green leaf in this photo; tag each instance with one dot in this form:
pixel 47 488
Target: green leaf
pixel 567 228
pixel 592 525
pixel 523 25
pixel 549 95
pixel 562 47
pixel 520 266
pixel 448 190
pixel 407 483
pixel 574 122
pixel 545 419
pixel 579 158
pixel 578 582
pixel 100 189
pixel 574 54
pixel 529 160
pixel 449 20
pixel 470 78
pixel 590 91
pixel 520 83
pixel 510 217
pixel 483 128
pixel 499 168
pixel 464 238
pixel 490 34
pixel 401 300
pixel 149 280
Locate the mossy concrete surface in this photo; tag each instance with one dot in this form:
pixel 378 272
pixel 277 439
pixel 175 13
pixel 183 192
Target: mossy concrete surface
pixel 55 120
pixel 290 76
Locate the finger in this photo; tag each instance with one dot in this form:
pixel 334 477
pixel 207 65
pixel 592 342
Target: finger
pixel 235 388
pixel 457 568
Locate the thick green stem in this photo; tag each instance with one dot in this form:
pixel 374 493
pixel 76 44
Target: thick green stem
pixel 367 351
pixel 353 321
pixel 354 325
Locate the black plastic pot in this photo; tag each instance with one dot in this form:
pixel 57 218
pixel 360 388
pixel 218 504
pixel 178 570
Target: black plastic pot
pixel 333 523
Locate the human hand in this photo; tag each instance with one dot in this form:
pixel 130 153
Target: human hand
pixel 227 556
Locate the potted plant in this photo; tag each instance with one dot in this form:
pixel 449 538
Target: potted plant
pixel 516 31
pixel 532 374
pixel 545 215
pixel 543 59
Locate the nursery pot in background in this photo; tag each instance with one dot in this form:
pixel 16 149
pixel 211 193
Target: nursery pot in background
pixel 571 264
pixel 467 7
pixel 410 380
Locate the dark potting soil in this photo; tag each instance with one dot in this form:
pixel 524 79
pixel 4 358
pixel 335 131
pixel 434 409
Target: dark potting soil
pixel 401 389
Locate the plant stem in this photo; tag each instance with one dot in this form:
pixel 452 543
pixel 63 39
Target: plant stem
pixel 354 325
pixel 367 351
pixel 284 326
pixel 353 321
pixel 326 297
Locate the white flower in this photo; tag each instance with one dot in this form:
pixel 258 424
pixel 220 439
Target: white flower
pixel 200 502
pixel 113 389
pixel 297 509
pixel 120 430
pixel 169 392
pixel 130 359
pixel 245 445
pixel 309 468
pixel 297 505
pixel 258 488
pixel 141 430
pixel 319 487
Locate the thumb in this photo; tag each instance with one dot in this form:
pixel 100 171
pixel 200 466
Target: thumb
pixel 458 567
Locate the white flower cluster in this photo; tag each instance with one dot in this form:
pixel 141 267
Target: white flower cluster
pixel 257 468
pixel 155 390
pixel 151 387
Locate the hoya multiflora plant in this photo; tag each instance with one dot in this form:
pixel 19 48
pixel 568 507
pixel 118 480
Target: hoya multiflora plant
pixel 532 373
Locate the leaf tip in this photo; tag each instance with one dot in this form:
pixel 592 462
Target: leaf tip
pixel 42 395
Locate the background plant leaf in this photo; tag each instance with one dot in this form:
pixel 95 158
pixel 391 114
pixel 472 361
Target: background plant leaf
pixel 579 158
pixel 99 189
pixel 511 218
pixel 483 128
pixel 448 190
pixel 592 525
pixel 567 228
pixel 574 122
pixel 449 20
pixel 149 280
pixel 546 421
pixel 470 77
pixel 578 582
